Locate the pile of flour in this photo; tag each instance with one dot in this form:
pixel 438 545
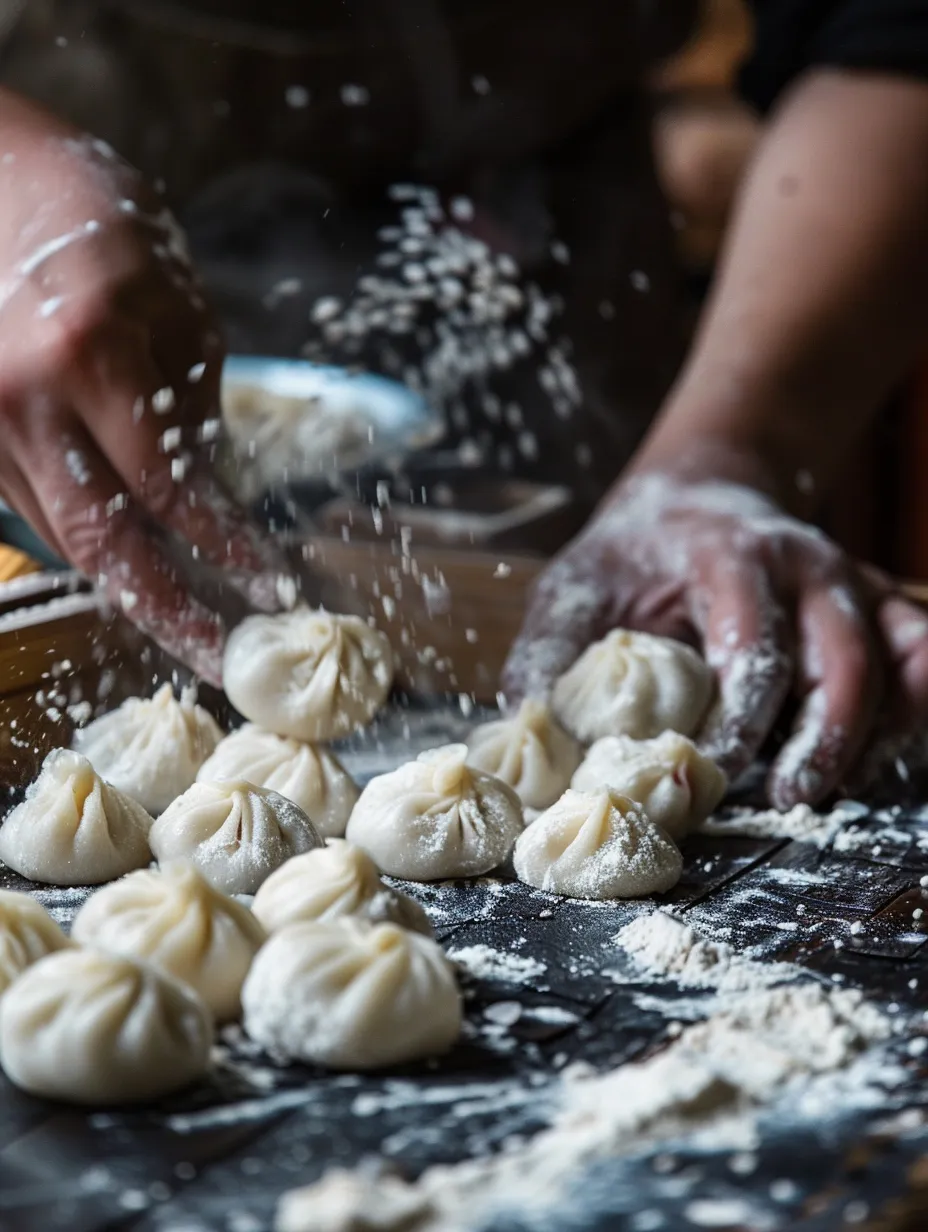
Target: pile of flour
pixel 800 823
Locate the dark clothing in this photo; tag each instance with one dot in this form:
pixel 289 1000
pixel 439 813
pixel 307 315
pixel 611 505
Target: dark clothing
pixel 794 35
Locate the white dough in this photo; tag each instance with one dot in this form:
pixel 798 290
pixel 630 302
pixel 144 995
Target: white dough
pixel 633 684
pixel 597 845
pixel 437 817
pixel 27 933
pixel 311 777
pixel 95 1028
pixel 352 995
pixel 174 919
pixel 529 751
pixel 235 833
pixel 307 674
pixel 333 881
pixel 74 829
pixel 151 748
pixel 675 784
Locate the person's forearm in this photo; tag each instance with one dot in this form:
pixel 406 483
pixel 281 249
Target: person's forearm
pixel 820 307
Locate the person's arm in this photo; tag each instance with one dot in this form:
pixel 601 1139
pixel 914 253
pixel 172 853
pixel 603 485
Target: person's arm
pixel 109 365
pixel 820 309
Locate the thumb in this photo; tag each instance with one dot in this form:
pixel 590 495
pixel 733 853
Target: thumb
pixel 565 609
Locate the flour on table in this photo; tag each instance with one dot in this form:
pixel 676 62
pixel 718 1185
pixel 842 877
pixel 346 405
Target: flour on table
pixel 664 946
pixel 711 1081
pixel 800 823
pixel 485 963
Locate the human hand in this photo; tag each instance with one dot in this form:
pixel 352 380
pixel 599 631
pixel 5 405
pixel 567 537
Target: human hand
pixel 775 606
pixel 109 386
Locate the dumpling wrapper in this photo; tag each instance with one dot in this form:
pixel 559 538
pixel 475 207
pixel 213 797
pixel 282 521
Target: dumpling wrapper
pixel 330 882
pixel 597 845
pixel 308 674
pixel 352 995
pixel 674 783
pixel 311 777
pixel 436 817
pixel 633 684
pixel 151 748
pixel 95 1028
pixel 528 750
pixel 174 919
pixel 73 828
pixel 236 834
pixel 27 933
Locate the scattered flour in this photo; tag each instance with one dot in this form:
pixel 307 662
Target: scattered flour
pixel 715 1075
pixel 664 946
pixel 800 823
pixel 485 963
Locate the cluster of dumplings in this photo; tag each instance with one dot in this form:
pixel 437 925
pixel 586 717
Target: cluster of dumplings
pixel 328 964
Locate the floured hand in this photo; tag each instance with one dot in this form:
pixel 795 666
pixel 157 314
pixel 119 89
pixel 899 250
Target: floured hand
pixel 775 606
pixel 109 384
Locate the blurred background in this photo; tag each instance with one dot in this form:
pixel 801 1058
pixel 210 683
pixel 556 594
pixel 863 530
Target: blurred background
pixel 703 137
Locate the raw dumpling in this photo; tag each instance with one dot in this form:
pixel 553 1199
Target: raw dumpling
pixel 675 784
pixel 95 1028
pixel 74 829
pixel 27 933
pixel 174 919
pixel 333 881
pixel 529 751
pixel 597 845
pixel 352 995
pixel 235 833
pixel 436 817
pixel 307 674
pixel 311 777
pixel 633 684
pixel 151 748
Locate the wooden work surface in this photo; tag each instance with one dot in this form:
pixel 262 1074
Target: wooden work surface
pixel 216 1158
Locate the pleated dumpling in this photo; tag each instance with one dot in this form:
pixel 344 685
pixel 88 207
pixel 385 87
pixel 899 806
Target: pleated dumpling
pixel 174 919
pixel 529 751
pixel 310 776
pixel 330 882
pixel 151 748
pixel 352 995
pixel 307 674
pixel 95 1028
pixel 74 829
pixel 27 933
pixel 236 834
pixel 437 817
pixel 668 776
pixel 633 684
pixel 597 845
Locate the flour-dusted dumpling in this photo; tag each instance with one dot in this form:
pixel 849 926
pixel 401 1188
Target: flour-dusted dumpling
pixel 96 1028
pixel 307 674
pixel 352 995
pixel 174 919
pixel 437 817
pixel 74 829
pixel 236 834
pixel 27 933
pixel 529 751
pixel 151 748
pixel 309 776
pixel 676 785
pixel 597 845
pixel 633 684
pixel 333 881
